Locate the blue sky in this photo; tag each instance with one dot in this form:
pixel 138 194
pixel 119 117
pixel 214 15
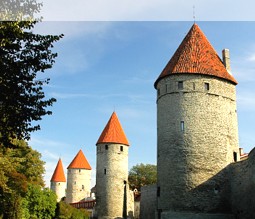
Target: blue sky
pixel 107 66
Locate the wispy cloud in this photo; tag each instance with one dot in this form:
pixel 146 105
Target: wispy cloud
pixel 39 142
pixel 146 10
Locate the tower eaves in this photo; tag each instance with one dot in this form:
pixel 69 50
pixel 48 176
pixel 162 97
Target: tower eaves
pixel 195 55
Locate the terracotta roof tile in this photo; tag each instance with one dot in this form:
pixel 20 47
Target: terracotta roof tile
pixel 58 175
pixel 113 132
pixel 79 162
pixel 196 55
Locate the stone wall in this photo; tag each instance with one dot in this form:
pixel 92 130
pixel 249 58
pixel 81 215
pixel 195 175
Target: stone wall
pixel 59 188
pixel 197 139
pixel 243 187
pixel 78 185
pixel 192 215
pixel 111 175
pixel 148 203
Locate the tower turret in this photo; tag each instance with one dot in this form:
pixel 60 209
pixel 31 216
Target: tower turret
pixel 58 181
pixel 78 179
pixel 112 170
pixel 197 129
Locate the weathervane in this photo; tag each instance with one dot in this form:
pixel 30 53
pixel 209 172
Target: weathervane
pixel 194 14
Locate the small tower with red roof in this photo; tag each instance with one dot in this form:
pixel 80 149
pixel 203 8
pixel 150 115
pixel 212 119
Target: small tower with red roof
pixel 78 179
pixel 58 181
pixel 112 170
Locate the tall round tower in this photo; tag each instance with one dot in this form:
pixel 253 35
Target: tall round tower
pixel 197 129
pixel 78 179
pixel 58 181
pixel 111 171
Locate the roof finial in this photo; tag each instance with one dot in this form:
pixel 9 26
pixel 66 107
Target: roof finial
pixel 194 14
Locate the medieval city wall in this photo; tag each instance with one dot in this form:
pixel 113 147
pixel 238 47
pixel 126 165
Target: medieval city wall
pixel 148 203
pixel 59 188
pixel 78 185
pixel 111 176
pixel 197 139
pixel 243 187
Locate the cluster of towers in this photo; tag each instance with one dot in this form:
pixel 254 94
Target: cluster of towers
pixel 197 143
pixel 77 187
pixel 112 193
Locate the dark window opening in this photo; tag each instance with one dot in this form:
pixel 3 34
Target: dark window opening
pixel 207 86
pixel 235 156
pixel 79 170
pixel 194 86
pixel 104 171
pixel 158 191
pixel 106 147
pixel 82 187
pixel 180 85
pixel 121 148
pixel 125 182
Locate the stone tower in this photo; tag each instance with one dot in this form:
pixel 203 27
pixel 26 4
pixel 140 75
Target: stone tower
pixel 112 170
pixel 197 131
pixel 58 181
pixel 78 179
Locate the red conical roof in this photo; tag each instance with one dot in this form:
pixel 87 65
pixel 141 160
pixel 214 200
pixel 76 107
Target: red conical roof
pixel 197 56
pixel 79 162
pixel 58 175
pixel 113 132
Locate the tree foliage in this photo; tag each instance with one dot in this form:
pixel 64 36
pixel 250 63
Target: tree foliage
pixel 38 203
pixel 66 211
pixel 23 55
pixel 19 167
pixel 141 175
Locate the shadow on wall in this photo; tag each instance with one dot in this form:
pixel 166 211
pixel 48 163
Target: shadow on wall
pixel 129 216
pixel 231 191
pixel 243 187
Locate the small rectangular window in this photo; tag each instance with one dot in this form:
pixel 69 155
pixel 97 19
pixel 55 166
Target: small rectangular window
pixel 106 147
pixel 207 86
pixel 235 156
pixel 121 148
pixel 194 86
pixel 158 191
pixel 104 171
pixel 180 85
pixel 182 126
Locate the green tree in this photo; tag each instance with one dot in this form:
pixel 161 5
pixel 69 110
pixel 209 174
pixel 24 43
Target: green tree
pixel 141 175
pixel 38 203
pixel 19 167
pixel 23 55
pixel 66 211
